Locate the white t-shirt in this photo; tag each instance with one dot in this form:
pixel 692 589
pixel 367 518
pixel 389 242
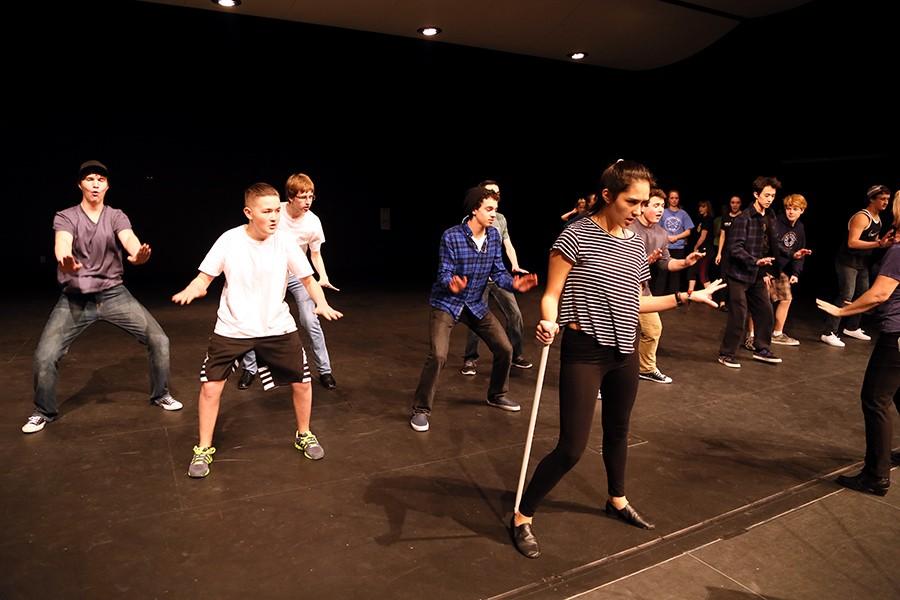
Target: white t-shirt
pixel 252 303
pixel 307 230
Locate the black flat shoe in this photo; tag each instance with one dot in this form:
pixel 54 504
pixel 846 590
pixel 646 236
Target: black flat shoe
pixel 629 515
pixel 327 381
pixel 864 483
pixel 523 538
pixel 246 379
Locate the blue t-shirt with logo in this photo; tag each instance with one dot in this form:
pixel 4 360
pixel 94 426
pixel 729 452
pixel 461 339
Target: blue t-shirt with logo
pixel 675 222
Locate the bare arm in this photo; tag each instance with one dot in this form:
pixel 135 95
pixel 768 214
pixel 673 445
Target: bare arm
pixel 857 224
pixel 138 253
pixel 62 248
pixel 660 303
pixel 880 291
pixel 557 271
pixel 721 246
pixel 319 265
pixel 195 289
pixel 318 296
pixel 568 215
pixel 700 240
pixel 513 258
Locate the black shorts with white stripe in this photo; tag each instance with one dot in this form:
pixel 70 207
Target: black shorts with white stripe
pixel 281 359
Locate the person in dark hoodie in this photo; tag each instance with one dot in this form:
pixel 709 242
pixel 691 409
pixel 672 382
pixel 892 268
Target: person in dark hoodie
pixel 789 254
pixel 470 255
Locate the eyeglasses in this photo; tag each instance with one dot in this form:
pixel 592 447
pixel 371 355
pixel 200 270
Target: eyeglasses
pixel 305 196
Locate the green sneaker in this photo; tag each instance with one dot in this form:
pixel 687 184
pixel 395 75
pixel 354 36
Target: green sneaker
pixel 199 466
pixel 309 445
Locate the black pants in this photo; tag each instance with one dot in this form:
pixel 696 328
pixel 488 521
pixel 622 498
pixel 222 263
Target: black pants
pixel 881 386
pixel 741 296
pixel 585 367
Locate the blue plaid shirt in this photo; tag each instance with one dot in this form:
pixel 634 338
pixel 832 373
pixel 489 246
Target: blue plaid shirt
pixel 460 256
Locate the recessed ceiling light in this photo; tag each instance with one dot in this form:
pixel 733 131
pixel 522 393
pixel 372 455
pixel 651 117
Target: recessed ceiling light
pixel 429 31
pixel 227 3
pixel 577 55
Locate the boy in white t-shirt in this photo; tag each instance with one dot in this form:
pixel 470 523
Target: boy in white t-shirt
pixel 253 315
pixel 302 225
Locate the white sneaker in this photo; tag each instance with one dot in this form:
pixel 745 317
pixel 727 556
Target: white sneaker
pixel 34 424
pixel 832 340
pixel 167 402
pixel 858 334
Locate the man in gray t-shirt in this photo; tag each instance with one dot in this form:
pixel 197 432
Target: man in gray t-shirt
pixel 656 242
pixel 90 272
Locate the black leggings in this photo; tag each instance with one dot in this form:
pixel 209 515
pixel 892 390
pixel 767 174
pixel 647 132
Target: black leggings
pixel 586 366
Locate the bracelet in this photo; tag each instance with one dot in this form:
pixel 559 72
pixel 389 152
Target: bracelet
pixel 678 301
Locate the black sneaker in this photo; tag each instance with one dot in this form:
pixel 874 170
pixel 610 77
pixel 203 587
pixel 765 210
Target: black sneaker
pixel 521 362
pixel 246 379
pixel 656 376
pixel 327 381
pixel 419 421
pixel 468 368
pixel 728 361
pixel 766 355
pixel 504 404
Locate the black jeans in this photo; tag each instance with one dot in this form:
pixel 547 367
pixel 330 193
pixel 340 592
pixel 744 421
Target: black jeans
pixel 585 367
pixel 881 387
pixel 488 329
pixel 740 295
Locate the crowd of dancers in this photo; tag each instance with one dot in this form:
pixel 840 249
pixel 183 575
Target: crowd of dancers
pixel 618 262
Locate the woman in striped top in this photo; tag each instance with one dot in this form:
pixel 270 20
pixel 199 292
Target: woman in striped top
pixel 597 267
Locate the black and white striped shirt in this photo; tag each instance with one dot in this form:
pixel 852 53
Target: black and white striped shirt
pixel 602 291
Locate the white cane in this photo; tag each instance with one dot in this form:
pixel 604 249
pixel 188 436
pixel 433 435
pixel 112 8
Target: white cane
pixel 534 413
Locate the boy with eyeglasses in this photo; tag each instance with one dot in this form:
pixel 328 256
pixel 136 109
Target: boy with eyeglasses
pixel 300 223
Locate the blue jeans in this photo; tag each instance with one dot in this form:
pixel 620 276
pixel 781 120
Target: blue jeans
pixel 506 301
pixel 308 322
pixel 73 314
pixel 852 283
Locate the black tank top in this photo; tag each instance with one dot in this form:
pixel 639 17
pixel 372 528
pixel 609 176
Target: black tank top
pixel 858 258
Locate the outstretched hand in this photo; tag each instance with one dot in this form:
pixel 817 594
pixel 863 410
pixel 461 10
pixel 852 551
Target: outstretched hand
pixel 692 258
pixel 654 256
pixel 801 253
pixel 458 283
pixel 828 307
pixel 142 255
pixel 69 265
pixel 325 283
pixel 765 261
pixel 705 295
pixel 328 312
pixel 523 283
pixel 188 295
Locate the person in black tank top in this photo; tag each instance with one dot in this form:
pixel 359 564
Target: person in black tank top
pixel 597 267
pixel 853 261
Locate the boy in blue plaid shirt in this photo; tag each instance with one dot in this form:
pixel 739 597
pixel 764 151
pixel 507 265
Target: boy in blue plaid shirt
pixel 470 254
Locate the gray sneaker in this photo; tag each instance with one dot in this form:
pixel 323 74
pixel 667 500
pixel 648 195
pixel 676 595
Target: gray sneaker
pixel 504 404
pixel 419 421
pixel 167 402
pixel 309 445
pixel 785 340
pixel 199 466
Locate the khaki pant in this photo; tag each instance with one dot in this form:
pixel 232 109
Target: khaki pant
pixel 651 331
